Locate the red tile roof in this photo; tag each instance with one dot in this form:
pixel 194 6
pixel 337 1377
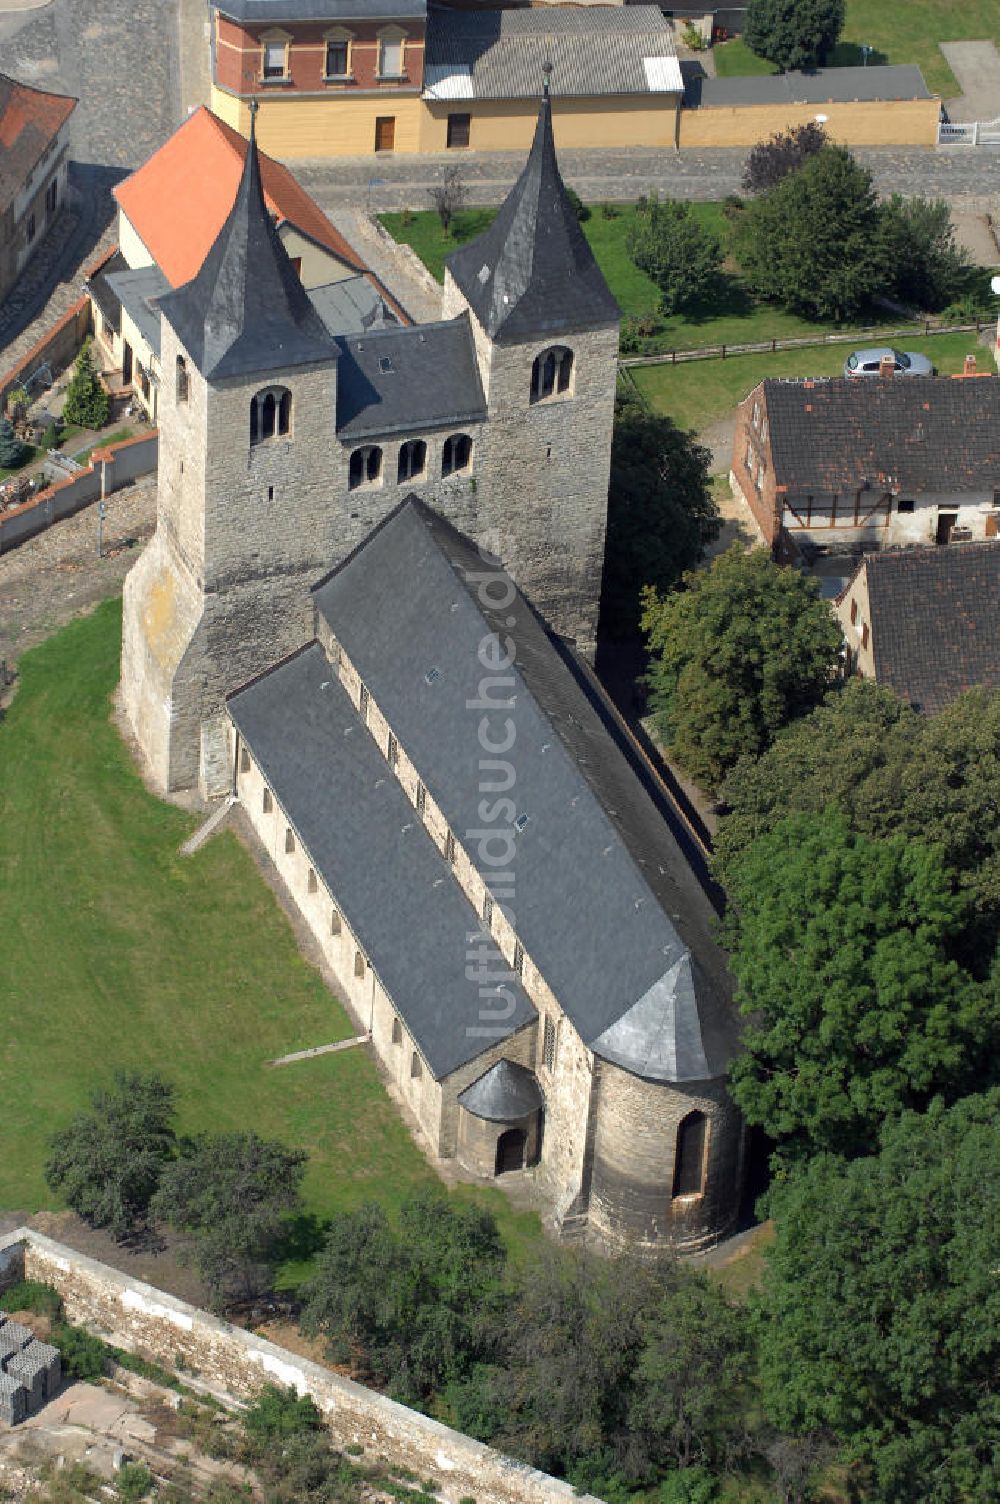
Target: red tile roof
pixel 178 201
pixel 30 120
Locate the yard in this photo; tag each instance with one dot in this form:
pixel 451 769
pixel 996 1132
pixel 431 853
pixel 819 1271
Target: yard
pixel 899 31
pixel 119 952
pixel 731 315
pixel 698 393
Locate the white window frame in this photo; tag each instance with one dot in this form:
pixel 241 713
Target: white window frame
pixel 338 35
pixel 391 36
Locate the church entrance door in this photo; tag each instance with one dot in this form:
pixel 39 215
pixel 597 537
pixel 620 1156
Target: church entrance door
pixel 510 1150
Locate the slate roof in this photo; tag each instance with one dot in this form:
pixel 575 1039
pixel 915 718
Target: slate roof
pixel 499 54
pixel 178 201
pixel 138 293
pixel 935 620
pixel 605 901
pixel 103 295
pixel 246 310
pixel 391 883
pixel 264 12
pixel 907 433
pixel 824 86
pixel 30 120
pixel 351 306
pixel 532 272
pixel 507 1093
pixel 407 379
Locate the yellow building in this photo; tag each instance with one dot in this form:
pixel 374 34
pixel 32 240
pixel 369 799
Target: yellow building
pixel 366 76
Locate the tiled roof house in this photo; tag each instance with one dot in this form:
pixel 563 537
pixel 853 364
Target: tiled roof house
pixel 34 151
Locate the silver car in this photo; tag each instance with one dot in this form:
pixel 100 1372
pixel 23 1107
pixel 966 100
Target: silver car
pixel 905 362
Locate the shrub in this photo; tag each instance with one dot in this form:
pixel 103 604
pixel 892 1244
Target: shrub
pixel 87 403
pixel 785 152
pixel 83 1356
pixel 579 207
pixel 134 1482
pixel 32 1295
pixel 14 452
pixel 673 249
pixel 610 211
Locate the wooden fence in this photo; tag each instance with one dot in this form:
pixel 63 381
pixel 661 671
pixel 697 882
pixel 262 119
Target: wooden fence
pixel 770 346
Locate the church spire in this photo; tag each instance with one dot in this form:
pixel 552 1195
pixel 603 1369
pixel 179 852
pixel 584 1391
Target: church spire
pixel 532 272
pixel 246 310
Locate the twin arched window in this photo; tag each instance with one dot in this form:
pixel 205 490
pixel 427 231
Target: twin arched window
pixel 412 461
pixel 551 373
pixel 365 468
pixel 456 455
pixel 689 1157
pixel 270 414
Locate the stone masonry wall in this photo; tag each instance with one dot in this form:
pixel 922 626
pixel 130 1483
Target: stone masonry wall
pixel 148 1321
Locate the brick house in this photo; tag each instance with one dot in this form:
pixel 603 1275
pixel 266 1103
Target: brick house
pixel 925 621
pixel 363 76
pixel 34 159
pixel 844 464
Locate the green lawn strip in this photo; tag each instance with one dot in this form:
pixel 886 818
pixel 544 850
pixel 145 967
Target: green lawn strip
pixel 698 392
pixel 116 951
pixel 730 316
pixel 118 437
pixel 898 31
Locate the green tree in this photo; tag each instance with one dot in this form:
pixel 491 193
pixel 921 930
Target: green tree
pixel 880 1315
pixel 87 403
pixel 794 33
pixel 924 266
pixel 815 243
pixel 840 946
pixel 743 649
pixel 13 451
pixel 661 513
pixel 675 251
pixel 106 1164
pixel 890 770
pixel 770 161
pixel 411 1307
pixel 233 1192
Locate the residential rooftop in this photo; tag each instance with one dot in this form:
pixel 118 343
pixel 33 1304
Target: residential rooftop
pixel 30 120
pixel 823 86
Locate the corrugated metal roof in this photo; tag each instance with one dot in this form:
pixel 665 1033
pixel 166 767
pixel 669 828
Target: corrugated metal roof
pixel 600 50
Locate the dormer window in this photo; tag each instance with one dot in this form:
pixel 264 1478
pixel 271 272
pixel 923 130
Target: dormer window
pixel 551 373
pixel 270 414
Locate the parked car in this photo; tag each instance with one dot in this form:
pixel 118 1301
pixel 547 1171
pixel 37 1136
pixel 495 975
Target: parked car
pixel 905 362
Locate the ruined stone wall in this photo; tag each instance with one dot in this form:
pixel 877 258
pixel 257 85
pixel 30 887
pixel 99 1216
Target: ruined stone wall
pixel 148 1321
pixel 633 1169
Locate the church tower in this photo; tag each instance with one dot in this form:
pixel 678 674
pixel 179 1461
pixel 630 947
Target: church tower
pixel 247 447
pixel 546 333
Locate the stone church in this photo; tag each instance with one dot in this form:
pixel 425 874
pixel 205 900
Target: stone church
pixel 367 611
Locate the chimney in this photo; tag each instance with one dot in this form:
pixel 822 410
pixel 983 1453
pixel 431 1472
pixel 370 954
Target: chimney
pixel 887 365
pixel 970 366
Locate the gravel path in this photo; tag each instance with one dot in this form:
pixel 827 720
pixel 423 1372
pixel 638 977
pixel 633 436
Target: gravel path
pixel 56 576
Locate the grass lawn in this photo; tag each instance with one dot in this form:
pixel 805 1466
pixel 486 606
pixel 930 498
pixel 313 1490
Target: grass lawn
pixel 898 31
pixel 731 316
pixel 699 392
pixel 116 951
pixel 119 435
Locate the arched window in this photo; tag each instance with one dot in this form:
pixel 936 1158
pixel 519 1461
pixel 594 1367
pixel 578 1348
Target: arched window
pixel 397 1031
pixel 365 468
pixel 270 414
pixel 689 1159
pixel 182 379
pixel 244 760
pixel 416 1069
pixel 359 964
pixel 267 804
pixel 289 840
pixel 334 923
pixel 311 883
pixel 457 454
pixel 412 461
pixel 551 373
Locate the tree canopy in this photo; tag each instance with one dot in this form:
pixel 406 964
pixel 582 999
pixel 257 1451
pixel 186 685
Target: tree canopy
pixel 925 268
pixel 106 1163
pixel 87 403
pixel 661 513
pixel 794 33
pixel 815 242
pixel 770 161
pixel 679 254
pixel 840 946
pixel 880 1316
pixel 232 1191
pixel 890 770
pixel 741 650
pixel 13 451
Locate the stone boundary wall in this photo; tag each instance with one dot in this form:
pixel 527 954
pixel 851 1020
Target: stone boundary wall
pixel 150 1322
pixel 110 468
pixel 61 343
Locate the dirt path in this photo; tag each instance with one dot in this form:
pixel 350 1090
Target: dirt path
pixel 52 578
